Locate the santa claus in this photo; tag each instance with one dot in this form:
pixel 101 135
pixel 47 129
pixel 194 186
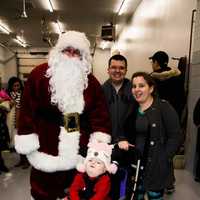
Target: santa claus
pixel 63 107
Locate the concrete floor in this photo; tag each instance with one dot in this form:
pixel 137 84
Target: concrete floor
pixel 15 185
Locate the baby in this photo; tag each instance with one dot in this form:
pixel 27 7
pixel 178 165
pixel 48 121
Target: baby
pixel 93 180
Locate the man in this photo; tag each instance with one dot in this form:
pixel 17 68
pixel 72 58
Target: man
pixel 117 90
pixel 119 98
pixel 170 88
pixel 168 81
pixel 63 107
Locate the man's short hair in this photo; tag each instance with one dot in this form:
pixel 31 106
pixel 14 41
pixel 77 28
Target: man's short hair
pixel 117 57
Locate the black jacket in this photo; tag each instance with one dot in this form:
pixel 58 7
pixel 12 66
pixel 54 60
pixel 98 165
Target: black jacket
pixel 196 120
pixel 118 104
pixel 170 86
pixel 163 142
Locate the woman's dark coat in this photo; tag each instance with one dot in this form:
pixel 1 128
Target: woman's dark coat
pixel 164 140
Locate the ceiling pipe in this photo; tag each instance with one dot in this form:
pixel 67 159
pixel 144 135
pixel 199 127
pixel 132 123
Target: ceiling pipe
pixel 4 46
pixel 24 15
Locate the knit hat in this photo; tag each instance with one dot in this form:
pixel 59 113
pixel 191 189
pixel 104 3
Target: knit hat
pixel 101 151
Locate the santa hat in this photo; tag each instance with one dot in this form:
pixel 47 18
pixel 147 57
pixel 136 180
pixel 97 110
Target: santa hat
pixel 74 39
pixel 101 151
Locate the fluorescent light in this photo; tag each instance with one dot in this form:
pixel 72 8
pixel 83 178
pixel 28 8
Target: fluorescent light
pixel 4 29
pixel 57 26
pixel 50 6
pixel 124 6
pixel 105 44
pixel 121 8
pixel 20 41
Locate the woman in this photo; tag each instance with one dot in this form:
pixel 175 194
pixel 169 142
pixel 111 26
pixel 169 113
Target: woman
pixel 155 129
pixel 5 105
pixel 15 89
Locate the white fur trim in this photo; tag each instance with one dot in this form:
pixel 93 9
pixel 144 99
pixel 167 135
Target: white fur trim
pixel 67 154
pixel 75 39
pixel 166 74
pixel 100 137
pixel 25 144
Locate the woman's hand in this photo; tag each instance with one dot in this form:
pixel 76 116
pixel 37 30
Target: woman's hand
pixel 123 145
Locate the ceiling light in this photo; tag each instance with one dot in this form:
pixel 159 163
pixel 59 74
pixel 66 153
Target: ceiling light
pixel 105 44
pixel 57 26
pixel 50 6
pixel 4 29
pixel 123 6
pixel 20 41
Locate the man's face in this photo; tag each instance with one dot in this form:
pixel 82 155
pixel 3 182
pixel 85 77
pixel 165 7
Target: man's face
pixel 72 52
pixel 117 71
pixel 155 65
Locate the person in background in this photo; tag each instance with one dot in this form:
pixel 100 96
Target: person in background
pixel 5 105
pixel 168 81
pixel 196 120
pixel 15 90
pixel 169 87
pixel 117 90
pixel 93 180
pixel 155 129
pixel 63 107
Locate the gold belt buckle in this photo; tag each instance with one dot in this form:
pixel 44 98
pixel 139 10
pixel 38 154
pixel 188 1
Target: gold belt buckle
pixel 71 122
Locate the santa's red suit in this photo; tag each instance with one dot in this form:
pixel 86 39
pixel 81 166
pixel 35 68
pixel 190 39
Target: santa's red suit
pixel 50 148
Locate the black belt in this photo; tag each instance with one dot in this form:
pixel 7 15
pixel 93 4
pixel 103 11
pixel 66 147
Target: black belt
pixel 71 121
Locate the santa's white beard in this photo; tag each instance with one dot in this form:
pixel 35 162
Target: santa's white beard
pixel 68 79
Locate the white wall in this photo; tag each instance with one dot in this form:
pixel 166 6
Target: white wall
pixel 7 65
pixel 10 67
pixel 194 93
pixel 156 25
pixel 100 64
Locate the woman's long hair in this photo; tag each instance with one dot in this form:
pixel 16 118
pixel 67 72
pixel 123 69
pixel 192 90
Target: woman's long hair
pixel 11 82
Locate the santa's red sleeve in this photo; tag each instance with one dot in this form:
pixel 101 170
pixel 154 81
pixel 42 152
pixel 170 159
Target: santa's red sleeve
pixel 77 185
pixel 99 114
pixel 102 188
pixel 26 141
